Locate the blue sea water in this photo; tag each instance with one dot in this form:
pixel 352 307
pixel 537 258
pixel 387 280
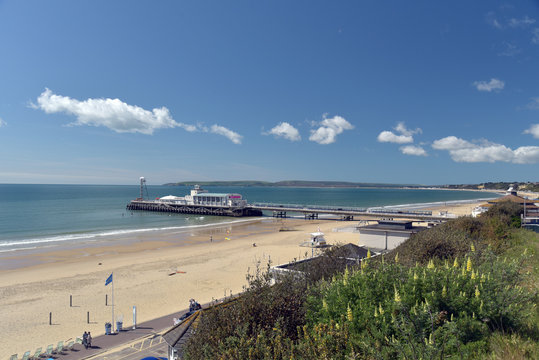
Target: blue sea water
pixel 35 215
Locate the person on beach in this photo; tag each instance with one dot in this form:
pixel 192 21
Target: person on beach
pixel 85 340
pixel 89 340
pixel 194 306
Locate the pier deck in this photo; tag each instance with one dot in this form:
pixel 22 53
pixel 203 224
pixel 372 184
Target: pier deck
pixel 281 210
pixel 347 213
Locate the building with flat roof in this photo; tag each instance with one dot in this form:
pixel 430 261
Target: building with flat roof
pixel 387 234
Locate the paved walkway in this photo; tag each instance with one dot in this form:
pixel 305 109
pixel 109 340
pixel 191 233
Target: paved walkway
pixel 127 341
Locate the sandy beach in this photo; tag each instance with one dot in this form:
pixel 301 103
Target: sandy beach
pixel 32 285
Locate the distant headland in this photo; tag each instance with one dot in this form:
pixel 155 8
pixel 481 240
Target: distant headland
pixel 502 185
pixel 293 183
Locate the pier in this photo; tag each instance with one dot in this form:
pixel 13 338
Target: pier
pixel 201 202
pixel 216 210
pixel 345 213
pixel 310 212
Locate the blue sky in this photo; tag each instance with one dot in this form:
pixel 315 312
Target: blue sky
pixel 423 92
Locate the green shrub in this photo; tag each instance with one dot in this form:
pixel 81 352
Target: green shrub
pixel 445 241
pixel 455 237
pixel 425 311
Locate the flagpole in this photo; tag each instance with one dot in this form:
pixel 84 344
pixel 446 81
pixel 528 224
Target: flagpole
pixel 112 302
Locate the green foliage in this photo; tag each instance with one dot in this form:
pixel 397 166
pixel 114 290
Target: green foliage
pixel 513 347
pixel 505 212
pixel 453 238
pixel 423 311
pixel 445 241
pixel 263 315
pixel 245 325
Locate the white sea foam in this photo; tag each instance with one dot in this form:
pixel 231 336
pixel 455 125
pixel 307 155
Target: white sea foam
pixel 25 244
pixel 18 248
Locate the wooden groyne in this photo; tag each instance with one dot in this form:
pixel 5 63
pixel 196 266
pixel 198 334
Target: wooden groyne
pixel 192 209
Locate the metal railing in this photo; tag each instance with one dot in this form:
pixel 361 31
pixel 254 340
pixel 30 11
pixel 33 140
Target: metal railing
pixel 263 206
pixel 299 207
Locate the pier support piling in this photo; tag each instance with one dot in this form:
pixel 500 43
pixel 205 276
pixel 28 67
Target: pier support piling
pixel 279 214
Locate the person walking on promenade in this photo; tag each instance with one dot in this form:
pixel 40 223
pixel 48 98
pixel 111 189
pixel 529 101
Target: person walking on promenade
pixel 85 340
pixel 89 341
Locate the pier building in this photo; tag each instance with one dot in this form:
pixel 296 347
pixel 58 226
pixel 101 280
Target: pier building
pixel 199 201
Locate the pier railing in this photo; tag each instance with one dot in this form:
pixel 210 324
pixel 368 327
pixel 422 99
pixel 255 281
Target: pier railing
pixel 306 207
pixel 343 209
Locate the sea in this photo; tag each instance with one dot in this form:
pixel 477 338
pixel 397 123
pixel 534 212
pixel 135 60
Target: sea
pixel 34 216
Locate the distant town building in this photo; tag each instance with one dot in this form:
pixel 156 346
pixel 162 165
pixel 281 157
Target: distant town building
pixel 511 195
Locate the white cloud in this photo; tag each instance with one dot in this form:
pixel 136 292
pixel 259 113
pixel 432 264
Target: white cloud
pixel 534 104
pixel 535 36
pixel 388 136
pixel 492 85
pixel 512 22
pixel 404 131
pixel 525 21
pixel 285 130
pixel 119 116
pixel 489 153
pixel 464 151
pixel 533 131
pixel 509 49
pixel 527 155
pixel 491 19
pixel 111 113
pixel 451 143
pixel 329 129
pixel 231 135
pixel 405 136
pixel 2 122
pixel 413 150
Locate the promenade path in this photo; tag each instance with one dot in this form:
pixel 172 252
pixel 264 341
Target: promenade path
pixel 128 344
